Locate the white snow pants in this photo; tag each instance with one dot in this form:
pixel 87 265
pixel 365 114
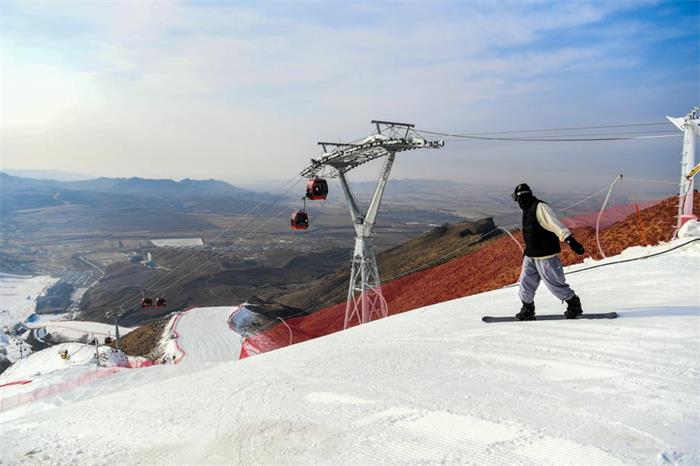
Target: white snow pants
pixel 551 271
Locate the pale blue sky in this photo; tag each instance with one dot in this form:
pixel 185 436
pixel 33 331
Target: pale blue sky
pixel 240 90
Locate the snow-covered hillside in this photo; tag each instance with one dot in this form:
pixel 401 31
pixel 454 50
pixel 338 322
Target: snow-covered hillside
pixel 47 367
pixel 74 330
pixel 18 295
pixel 435 385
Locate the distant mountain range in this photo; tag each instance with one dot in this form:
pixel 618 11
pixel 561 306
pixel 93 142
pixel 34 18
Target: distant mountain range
pixel 17 193
pixel 58 175
pixel 184 189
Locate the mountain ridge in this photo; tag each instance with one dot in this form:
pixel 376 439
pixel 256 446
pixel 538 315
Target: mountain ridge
pixel 19 193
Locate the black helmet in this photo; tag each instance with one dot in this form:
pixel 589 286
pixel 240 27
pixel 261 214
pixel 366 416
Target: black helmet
pixel 519 190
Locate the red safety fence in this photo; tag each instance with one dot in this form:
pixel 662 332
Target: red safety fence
pixel 248 348
pixel 17 382
pixel 136 363
pixel 283 335
pixel 59 387
pixel 609 216
pixel 180 349
pixel 19 399
pixel 165 359
pixel 54 389
pixel 494 265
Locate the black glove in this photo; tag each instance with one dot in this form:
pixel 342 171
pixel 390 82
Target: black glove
pixel 575 245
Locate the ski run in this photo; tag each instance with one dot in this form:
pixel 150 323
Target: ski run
pixel 442 388
pixel 204 335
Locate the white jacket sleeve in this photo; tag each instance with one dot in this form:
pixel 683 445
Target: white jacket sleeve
pixel 550 222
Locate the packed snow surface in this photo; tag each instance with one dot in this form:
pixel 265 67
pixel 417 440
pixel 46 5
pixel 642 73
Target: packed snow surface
pixel 205 336
pixel 201 335
pixel 690 229
pixel 436 385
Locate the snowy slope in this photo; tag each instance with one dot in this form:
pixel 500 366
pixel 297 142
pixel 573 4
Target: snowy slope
pixel 78 329
pixel 46 368
pixel 18 296
pixel 205 336
pixel 49 360
pixel 435 385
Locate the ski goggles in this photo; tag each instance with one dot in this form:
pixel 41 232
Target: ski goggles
pixel 516 194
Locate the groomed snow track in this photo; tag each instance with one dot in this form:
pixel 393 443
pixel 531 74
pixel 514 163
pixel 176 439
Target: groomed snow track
pixel 204 335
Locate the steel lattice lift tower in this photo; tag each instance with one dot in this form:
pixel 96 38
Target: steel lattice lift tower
pixel 365 300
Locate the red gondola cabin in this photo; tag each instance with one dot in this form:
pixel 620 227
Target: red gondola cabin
pixel 317 189
pixel 160 302
pixel 299 220
pixel 146 302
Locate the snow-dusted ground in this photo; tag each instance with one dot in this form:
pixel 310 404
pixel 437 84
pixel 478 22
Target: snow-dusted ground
pixel 435 385
pixel 178 242
pixel 18 296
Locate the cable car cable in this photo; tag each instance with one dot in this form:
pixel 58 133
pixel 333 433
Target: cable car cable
pixel 440 259
pixel 159 280
pixel 231 226
pixel 588 136
pixel 226 249
pixel 216 254
pixel 164 278
pixel 269 325
pixel 553 139
pixel 651 181
pixel 570 128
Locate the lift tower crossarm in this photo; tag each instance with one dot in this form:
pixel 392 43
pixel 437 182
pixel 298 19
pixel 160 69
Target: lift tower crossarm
pixel 392 124
pixel 346 156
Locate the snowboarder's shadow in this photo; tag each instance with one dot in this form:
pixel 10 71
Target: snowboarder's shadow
pixel 676 311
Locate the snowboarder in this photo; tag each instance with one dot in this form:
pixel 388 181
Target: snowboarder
pixel 543 232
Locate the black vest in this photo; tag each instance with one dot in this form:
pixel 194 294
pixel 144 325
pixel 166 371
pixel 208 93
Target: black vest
pixel 538 241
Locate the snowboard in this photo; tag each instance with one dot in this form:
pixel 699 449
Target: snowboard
pixel 604 315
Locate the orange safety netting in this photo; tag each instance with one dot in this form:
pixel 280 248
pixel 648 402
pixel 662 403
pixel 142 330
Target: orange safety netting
pixel 610 215
pixel 494 265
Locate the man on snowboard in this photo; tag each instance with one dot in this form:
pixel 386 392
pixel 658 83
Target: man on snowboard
pixel 543 231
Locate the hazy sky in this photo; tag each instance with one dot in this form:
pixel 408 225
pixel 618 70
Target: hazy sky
pixel 242 90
